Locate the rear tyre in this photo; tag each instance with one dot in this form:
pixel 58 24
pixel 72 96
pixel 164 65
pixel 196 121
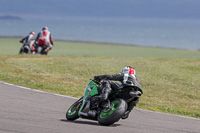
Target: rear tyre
pixel 107 118
pixel 72 112
pixel 39 49
pixel 26 50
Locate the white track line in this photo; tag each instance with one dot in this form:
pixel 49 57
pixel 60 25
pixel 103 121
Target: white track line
pixel 26 88
pixel 167 114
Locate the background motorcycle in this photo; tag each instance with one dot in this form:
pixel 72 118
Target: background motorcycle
pixel 27 48
pixel 105 112
pixel 42 49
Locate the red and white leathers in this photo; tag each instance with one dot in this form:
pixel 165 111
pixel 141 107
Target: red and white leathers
pixel 44 38
pixel 29 41
pixel 28 38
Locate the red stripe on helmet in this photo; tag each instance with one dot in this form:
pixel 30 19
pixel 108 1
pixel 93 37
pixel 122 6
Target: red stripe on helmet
pixel 131 70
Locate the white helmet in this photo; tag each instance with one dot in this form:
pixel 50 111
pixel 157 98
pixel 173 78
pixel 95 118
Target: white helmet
pixel 33 33
pixel 45 28
pixel 129 70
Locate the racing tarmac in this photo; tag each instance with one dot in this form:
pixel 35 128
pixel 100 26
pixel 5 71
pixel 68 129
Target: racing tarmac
pixel 25 110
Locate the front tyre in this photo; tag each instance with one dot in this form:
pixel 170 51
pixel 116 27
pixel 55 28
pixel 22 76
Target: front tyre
pixel 107 118
pixel 72 112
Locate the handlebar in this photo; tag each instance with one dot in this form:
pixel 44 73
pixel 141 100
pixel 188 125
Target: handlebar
pixel 96 81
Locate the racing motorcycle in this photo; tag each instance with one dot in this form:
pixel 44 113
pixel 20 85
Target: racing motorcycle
pixel 105 112
pixel 42 49
pixel 27 47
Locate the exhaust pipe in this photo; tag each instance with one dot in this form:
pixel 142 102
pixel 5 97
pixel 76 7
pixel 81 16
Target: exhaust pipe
pixel 135 93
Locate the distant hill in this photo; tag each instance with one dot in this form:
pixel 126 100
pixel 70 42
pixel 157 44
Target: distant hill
pixel 104 8
pixel 9 17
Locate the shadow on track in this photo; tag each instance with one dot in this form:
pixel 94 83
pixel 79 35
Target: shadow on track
pixel 95 123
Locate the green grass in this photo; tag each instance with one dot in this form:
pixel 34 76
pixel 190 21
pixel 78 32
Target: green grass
pixel 61 48
pixel 170 83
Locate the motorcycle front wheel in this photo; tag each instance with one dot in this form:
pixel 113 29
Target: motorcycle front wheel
pixel 72 112
pixel 108 117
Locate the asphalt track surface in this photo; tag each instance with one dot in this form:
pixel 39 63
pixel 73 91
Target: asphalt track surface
pixel 25 110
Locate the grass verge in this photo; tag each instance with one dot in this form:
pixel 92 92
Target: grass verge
pixel 170 85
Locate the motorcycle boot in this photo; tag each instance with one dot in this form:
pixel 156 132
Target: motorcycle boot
pixel 126 114
pixel 106 90
pixel 131 105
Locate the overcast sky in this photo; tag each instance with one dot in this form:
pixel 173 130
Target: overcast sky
pixel 104 8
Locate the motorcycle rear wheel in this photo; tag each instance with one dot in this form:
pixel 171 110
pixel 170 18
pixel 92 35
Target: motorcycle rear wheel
pixel 107 118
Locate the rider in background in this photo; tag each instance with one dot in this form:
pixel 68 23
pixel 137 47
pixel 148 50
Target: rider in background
pixel 27 40
pixel 127 76
pixel 44 39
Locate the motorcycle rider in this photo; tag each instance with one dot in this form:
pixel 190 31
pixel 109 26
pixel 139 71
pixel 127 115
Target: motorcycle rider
pixel 44 39
pixel 27 40
pixel 127 76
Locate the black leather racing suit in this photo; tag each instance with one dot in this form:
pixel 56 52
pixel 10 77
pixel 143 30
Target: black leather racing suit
pixel 108 85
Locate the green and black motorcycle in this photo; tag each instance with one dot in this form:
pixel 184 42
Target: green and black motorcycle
pixel 105 112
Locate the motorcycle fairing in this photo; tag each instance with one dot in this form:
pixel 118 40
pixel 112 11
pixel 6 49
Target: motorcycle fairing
pixel 90 90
